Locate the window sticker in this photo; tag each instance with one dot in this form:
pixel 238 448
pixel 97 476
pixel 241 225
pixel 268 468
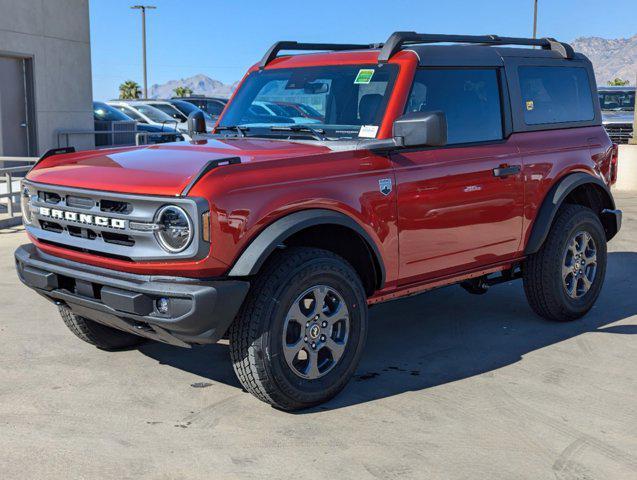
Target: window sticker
pixel 530 105
pixel 368 131
pixel 364 76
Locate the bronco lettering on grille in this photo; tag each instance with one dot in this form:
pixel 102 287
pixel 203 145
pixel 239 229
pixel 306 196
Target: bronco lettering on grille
pixel 82 218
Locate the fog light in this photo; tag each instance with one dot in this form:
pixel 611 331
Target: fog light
pixel 162 305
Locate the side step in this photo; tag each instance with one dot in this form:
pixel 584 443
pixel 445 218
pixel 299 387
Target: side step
pixel 481 285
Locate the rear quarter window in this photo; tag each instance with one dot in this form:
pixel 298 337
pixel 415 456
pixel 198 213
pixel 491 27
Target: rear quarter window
pixel 555 95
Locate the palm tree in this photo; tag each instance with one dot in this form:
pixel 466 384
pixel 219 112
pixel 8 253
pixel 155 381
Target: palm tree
pixel 129 90
pixel 182 91
pixel 618 82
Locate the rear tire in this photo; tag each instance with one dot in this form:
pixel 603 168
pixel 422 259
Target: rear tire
pixel 564 278
pixel 300 333
pixel 101 336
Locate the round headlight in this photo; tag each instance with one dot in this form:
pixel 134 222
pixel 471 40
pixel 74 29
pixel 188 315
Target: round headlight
pixel 25 206
pixel 175 229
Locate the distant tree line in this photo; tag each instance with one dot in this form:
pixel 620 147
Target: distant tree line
pixel 618 82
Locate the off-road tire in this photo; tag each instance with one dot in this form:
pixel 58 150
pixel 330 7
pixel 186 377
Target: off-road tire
pixel 256 344
pixel 103 337
pixel 542 271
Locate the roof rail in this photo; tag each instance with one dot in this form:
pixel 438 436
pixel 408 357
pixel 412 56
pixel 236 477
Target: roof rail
pixel 274 50
pixel 399 39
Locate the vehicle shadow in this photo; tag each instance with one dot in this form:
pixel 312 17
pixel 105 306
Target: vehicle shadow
pixel 443 336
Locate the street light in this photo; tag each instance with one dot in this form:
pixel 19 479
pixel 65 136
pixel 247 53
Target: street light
pixel 535 21
pixel 143 9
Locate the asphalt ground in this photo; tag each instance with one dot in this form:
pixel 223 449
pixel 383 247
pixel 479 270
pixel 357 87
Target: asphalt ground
pixel 452 386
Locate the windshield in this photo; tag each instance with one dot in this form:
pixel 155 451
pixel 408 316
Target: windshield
pixel 154 114
pixel 187 108
pixel 340 102
pixel 170 110
pixel 617 100
pixel 106 113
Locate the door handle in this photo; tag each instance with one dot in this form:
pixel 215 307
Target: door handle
pixel 506 170
pixel 23 125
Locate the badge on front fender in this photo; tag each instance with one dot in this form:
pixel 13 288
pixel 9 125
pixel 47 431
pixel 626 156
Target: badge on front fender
pixel 384 185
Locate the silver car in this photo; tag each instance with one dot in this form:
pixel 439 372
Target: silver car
pixel 618 110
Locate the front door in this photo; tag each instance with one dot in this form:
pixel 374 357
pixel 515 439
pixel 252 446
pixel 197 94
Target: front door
pixel 460 206
pixel 14 121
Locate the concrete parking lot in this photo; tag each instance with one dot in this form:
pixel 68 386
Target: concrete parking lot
pixel 452 386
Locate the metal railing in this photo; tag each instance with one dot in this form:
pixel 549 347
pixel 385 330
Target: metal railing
pixel 141 138
pixel 7 174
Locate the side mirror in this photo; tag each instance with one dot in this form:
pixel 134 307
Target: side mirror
pixel 421 129
pixel 196 123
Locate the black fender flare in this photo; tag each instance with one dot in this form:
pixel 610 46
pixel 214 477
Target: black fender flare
pixel 554 199
pixel 260 248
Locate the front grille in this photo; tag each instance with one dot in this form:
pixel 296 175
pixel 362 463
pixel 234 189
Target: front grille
pixel 80 202
pixel 107 224
pixel 619 133
pixel 111 206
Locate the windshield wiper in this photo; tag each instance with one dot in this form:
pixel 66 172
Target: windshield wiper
pixel 240 130
pixel 317 133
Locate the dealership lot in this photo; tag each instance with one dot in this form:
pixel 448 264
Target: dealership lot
pixel 451 386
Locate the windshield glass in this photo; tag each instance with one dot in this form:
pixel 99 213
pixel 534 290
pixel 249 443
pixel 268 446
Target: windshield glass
pixel 187 108
pixel 154 114
pixel 343 101
pixel 617 100
pixel 170 110
pixel 106 113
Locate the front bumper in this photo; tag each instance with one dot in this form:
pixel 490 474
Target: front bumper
pixel 198 311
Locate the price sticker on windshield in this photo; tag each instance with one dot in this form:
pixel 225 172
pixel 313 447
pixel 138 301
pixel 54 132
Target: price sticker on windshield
pixel 368 131
pixel 364 76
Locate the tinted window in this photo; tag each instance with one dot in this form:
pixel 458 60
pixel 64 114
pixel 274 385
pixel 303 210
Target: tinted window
pixel 131 113
pixel 619 101
pixel 469 98
pixel 170 111
pixel 215 108
pixel 104 112
pixel 555 95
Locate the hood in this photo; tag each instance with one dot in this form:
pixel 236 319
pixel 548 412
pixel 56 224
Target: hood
pixel 164 169
pixel 609 116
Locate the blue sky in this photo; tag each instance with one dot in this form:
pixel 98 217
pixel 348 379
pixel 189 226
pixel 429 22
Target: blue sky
pixel 222 39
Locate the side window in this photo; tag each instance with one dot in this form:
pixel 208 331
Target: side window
pixel 215 108
pixel 470 99
pixel 555 95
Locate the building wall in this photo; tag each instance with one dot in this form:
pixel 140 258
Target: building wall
pixel 55 35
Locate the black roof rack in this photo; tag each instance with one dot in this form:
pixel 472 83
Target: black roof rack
pixel 400 39
pixel 274 50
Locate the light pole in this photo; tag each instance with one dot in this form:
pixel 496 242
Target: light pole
pixel 143 8
pixel 535 21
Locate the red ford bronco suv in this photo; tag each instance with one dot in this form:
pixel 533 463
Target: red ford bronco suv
pixel 436 160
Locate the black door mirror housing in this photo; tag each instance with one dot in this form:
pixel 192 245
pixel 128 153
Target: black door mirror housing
pixel 196 123
pixel 421 129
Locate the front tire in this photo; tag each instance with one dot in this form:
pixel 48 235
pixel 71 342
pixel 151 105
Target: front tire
pixel 101 336
pixel 301 332
pixel 564 278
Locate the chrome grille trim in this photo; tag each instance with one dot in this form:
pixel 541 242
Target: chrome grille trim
pixel 144 245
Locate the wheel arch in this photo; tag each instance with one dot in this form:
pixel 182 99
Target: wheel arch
pixel 576 188
pixel 322 228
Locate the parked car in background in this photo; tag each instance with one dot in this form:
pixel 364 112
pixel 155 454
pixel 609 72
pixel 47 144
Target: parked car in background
pixel 283 111
pixel 618 112
pixel 179 110
pixel 147 114
pixel 213 106
pixel 106 117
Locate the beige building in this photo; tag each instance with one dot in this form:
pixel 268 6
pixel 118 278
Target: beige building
pixel 45 74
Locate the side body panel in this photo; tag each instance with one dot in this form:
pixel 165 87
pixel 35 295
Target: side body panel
pixel 549 156
pixel 346 182
pixel 454 213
